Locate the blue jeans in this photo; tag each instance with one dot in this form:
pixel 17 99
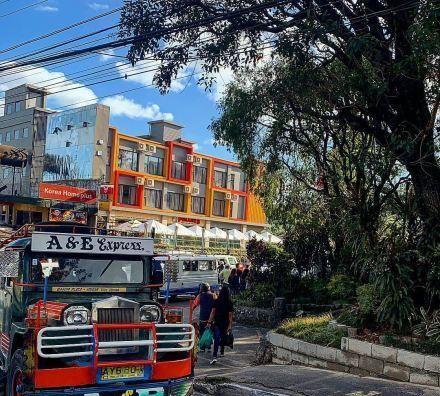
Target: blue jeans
pixel 218 333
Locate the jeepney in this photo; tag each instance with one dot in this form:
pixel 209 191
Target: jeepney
pixel 79 316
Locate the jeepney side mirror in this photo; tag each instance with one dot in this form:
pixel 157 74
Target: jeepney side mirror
pixel 47 267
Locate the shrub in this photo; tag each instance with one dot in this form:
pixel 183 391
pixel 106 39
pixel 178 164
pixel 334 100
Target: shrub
pixel 261 295
pixel 341 287
pixel 351 317
pixel 314 288
pixel 313 329
pixel 367 299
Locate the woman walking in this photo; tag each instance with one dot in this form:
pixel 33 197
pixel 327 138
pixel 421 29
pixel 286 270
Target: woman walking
pixel 205 300
pixel 234 282
pixel 220 320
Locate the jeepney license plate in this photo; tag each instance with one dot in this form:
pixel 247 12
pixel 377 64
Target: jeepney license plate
pixel 115 373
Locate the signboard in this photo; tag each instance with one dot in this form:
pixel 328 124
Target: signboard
pixel 188 220
pixel 106 189
pixel 68 215
pixel 91 244
pixel 67 193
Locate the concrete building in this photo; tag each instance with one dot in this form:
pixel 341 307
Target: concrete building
pixel 23 125
pixel 159 176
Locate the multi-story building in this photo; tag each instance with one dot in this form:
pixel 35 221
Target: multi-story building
pixel 23 125
pixel 156 176
pixel 160 176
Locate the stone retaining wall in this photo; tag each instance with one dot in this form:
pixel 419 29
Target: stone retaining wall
pixel 260 317
pixel 360 358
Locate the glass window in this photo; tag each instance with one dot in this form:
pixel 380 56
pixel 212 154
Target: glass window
pixel 127 194
pixel 16 134
pixel 91 270
pixel 128 159
pixel 1 138
pixel 175 201
pixel 17 107
pixel 25 132
pixel 153 198
pixel 199 174
pixel 8 136
pixel 219 207
pixel 198 204
pixel 9 108
pixel 206 265
pixel 220 178
pixel 190 265
pixel 178 170
pixel 232 181
pixel 153 165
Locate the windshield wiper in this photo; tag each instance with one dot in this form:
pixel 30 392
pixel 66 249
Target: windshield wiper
pixel 106 268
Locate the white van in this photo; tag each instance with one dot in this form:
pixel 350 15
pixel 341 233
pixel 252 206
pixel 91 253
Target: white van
pixel 192 271
pixel 224 259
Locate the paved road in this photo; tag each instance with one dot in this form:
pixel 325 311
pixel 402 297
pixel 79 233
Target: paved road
pixel 235 375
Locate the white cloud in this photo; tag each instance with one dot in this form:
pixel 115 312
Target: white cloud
pixel 63 92
pixel 98 6
pixel 143 73
pixel 46 8
pixel 196 146
pixel 122 106
pixel 107 55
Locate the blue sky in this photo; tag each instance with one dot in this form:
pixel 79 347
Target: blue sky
pixel 187 104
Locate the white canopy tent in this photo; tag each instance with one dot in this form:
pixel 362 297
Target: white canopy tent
pixel 180 230
pixel 219 233
pixel 252 234
pixel 159 228
pixel 235 235
pixel 268 237
pixel 129 226
pixel 201 232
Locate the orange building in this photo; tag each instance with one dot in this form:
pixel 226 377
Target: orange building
pixel 160 176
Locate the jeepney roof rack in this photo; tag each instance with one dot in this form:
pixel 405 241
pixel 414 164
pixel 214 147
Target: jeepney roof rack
pixel 60 227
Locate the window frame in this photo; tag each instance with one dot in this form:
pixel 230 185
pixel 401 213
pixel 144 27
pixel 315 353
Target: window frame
pixel 25 135
pixel 200 174
pixel 158 192
pixel 203 204
pixel 222 205
pixel 121 194
pixel 155 166
pixel 181 197
pixel 223 180
pixel 134 159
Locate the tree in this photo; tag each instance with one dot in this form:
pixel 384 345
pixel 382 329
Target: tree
pixel 377 61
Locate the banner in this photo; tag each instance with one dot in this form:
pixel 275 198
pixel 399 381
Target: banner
pixel 68 215
pixel 91 244
pixel 106 189
pixel 67 193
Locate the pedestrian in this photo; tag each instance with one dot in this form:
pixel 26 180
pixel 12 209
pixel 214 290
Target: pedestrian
pixel 220 321
pixel 244 277
pixel 234 282
pixel 204 300
pixel 224 275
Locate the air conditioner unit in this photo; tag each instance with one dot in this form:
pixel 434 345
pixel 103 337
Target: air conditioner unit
pixel 141 146
pixel 196 190
pixel 100 142
pixel 189 158
pixel 140 181
pixel 234 198
pixel 187 189
pixel 197 161
pixel 149 182
pixel 228 196
pixel 99 153
pixel 151 149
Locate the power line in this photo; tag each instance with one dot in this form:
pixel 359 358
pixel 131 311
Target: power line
pixel 61 30
pixel 24 8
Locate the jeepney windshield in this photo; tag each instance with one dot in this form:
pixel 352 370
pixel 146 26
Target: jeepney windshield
pixel 89 270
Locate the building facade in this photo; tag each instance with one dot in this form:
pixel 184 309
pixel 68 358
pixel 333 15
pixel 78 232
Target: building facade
pixel 159 176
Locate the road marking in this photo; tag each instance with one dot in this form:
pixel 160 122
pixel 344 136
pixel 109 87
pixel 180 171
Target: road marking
pixel 361 393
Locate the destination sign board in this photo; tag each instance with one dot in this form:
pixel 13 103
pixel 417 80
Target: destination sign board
pixel 91 244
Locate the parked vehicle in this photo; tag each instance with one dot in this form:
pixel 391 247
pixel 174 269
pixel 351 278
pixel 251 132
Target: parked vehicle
pixel 225 259
pixel 79 316
pixel 191 272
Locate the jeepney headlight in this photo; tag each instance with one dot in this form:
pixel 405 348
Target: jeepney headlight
pixel 150 313
pixel 76 315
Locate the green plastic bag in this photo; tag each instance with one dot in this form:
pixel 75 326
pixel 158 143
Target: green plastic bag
pixel 206 339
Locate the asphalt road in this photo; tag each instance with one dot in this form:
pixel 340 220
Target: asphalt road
pixel 236 375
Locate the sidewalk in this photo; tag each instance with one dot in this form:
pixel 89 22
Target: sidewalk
pixel 234 375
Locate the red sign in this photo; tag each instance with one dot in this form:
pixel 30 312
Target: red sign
pixel 67 193
pixel 106 189
pixel 187 220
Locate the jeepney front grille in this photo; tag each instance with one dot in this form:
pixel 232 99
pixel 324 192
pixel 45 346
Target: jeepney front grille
pixel 116 315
